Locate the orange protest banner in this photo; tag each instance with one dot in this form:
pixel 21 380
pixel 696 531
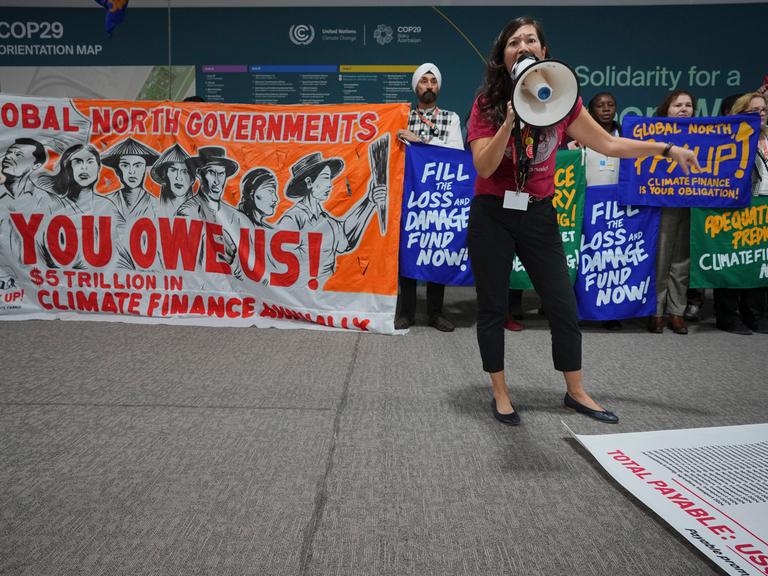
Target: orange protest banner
pixel 294 207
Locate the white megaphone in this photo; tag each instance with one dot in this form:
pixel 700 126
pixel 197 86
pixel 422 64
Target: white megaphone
pixel 544 91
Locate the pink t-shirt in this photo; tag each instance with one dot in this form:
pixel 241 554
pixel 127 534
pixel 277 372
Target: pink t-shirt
pixel 541 178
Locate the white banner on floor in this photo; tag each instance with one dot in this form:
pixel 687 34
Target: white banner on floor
pixel 710 484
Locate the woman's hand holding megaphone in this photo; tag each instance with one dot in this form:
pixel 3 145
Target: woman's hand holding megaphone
pixel 487 153
pixel 509 119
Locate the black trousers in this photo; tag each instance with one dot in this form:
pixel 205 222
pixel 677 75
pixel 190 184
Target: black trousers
pixel 515 302
pixel 732 303
pixel 435 295
pixel 495 235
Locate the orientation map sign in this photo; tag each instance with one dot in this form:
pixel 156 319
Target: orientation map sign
pixel 709 484
pixel 307 83
pixel 725 147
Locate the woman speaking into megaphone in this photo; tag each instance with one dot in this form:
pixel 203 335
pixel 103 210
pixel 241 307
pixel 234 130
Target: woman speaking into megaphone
pixel 512 212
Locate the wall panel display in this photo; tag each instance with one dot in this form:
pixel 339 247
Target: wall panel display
pixel 284 55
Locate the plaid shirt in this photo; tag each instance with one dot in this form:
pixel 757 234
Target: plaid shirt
pixel 445 126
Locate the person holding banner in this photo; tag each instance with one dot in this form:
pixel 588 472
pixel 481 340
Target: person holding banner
pixel 757 103
pixel 602 170
pixel 430 125
pixel 522 177
pixel 426 122
pixel 602 107
pixel 673 249
pixel 737 310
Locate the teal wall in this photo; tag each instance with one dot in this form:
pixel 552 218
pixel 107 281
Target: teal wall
pixel 722 44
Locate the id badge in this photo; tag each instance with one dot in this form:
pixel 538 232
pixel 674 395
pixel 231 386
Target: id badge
pixel 515 200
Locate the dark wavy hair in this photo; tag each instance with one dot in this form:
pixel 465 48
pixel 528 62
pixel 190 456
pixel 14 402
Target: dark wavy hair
pixel 663 108
pixel 64 181
pixel 497 85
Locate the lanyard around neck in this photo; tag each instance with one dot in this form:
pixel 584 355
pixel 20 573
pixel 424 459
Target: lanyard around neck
pixel 434 130
pixel 525 144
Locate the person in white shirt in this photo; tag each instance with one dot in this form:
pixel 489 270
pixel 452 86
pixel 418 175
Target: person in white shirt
pixel 602 170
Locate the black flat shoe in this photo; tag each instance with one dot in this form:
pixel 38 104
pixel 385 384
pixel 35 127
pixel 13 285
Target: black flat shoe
pixel 602 415
pixel 442 323
pixel 512 419
pixel 737 327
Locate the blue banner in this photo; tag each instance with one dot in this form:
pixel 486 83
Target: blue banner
pixel 725 147
pixel 617 258
pixel 437 191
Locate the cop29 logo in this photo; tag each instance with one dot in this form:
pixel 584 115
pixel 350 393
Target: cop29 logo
pixel 301 34
pixel 383 34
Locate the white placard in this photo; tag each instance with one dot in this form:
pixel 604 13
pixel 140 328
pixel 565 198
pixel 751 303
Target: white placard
pixel 710 484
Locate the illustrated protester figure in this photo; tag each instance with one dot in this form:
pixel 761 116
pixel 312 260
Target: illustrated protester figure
pixel 213 168
pixel 258 196
pixel 18 192
pixel 310 186
pixel 75 182
pixel 175 176
pixel 129 159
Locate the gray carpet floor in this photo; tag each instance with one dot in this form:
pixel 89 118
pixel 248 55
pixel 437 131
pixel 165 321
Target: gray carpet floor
pixel 133 450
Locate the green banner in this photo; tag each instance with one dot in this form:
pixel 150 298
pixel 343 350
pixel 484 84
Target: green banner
pixel 729 248
pixel 570 181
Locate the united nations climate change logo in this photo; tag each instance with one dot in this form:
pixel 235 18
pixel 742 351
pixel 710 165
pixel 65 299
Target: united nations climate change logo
pixel 302 34
pixel 383 34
